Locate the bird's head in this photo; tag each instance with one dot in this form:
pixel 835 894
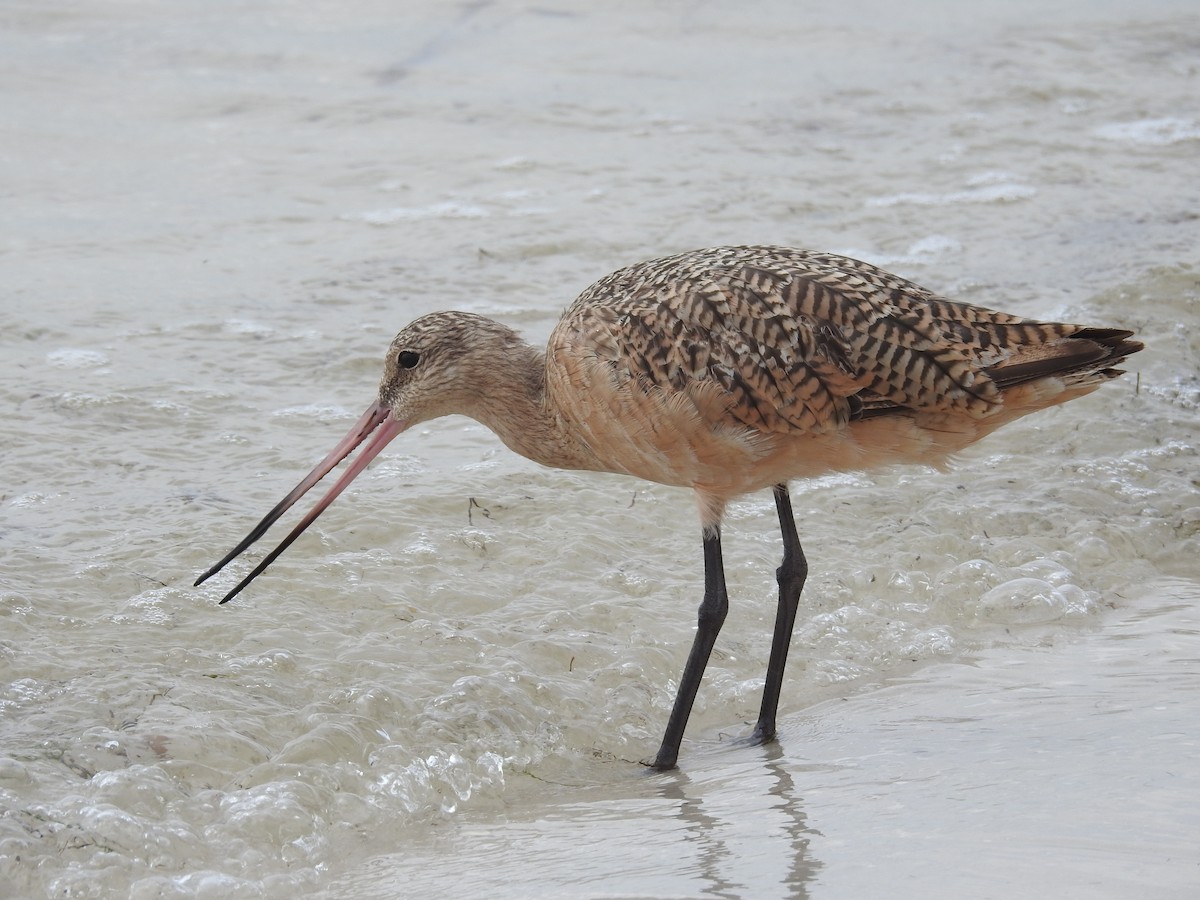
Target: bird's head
pixel 443 363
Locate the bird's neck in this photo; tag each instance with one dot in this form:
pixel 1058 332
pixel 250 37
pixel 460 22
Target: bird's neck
pixel 515 406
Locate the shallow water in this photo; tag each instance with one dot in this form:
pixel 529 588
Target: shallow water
pixel 217 217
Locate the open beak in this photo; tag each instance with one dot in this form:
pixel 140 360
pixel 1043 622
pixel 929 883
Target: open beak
pixel 377 421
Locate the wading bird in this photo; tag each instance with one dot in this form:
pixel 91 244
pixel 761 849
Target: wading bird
pixel 728 370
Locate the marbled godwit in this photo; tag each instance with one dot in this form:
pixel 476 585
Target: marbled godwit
pixel 727 371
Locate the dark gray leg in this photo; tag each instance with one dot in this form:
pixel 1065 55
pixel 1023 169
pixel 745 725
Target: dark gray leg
pixel 790 575
pixel 712 614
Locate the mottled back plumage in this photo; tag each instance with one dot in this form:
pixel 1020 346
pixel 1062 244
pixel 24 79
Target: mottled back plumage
pixel 805 342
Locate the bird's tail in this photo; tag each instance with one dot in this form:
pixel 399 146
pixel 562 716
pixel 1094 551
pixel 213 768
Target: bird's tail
pixel 1083 358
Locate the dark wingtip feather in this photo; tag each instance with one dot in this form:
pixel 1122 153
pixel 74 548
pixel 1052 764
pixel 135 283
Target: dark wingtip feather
pixel 1092 351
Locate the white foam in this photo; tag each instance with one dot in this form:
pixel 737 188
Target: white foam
pixel 1151 132
pixel 74 358
pixel 924 250
pixel 448 209
pixel 988 187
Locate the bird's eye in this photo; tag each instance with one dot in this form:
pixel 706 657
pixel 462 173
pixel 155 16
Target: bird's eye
pixel 408 358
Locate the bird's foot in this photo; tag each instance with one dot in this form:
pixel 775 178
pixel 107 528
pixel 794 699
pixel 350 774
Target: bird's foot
pixel 762 734
pixel 664 762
